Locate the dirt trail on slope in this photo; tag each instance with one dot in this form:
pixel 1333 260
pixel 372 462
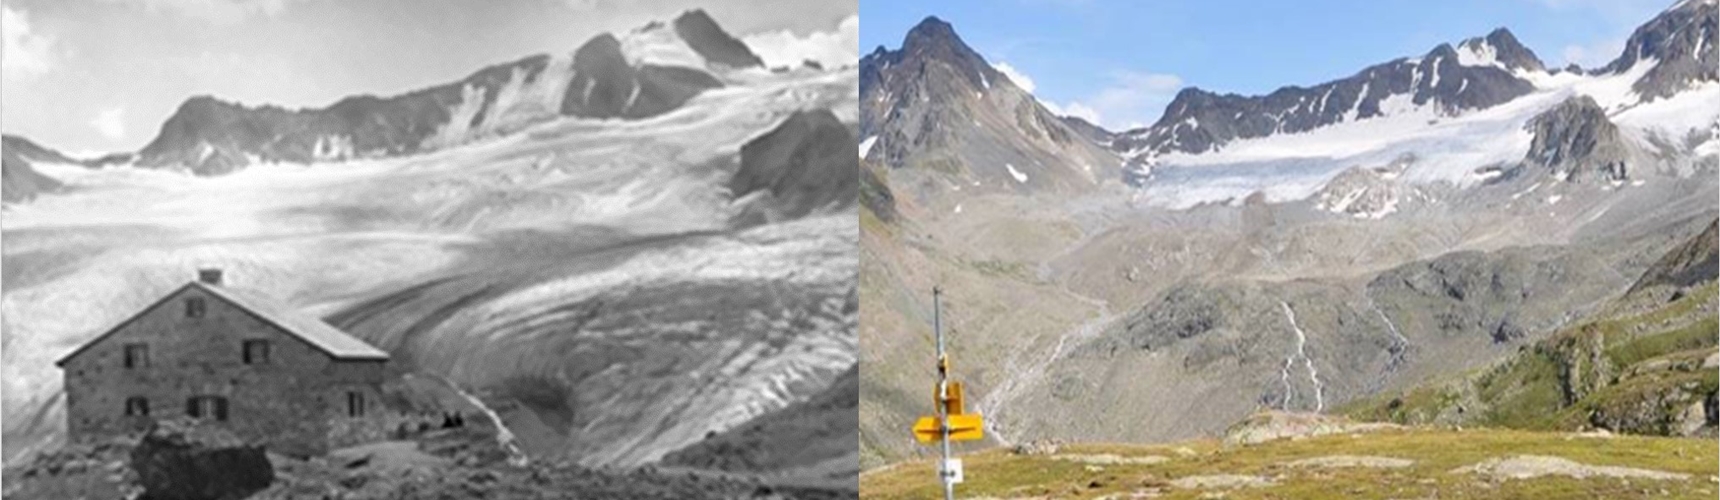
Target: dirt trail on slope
pixel 1018 379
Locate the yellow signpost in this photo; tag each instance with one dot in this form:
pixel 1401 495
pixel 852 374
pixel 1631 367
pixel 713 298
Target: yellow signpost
pixel 962 428
pixel 951 422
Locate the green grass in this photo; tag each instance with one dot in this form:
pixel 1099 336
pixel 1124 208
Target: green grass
pixel 1527 391
pixel 1436 453
pixel 1637 392
pixel 1635 350
pixel 1526 395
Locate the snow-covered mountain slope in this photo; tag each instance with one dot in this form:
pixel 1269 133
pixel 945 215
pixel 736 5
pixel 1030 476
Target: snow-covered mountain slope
pixel 646 72
pixel 1462 150
pixel 1462 113
pixel 1480 73
pixel 532 222
pixel 19 179
pixel 1680 43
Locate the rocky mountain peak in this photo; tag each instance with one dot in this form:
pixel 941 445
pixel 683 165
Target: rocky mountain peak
pixel 936 97
pixel 1680 42
pixel 706 37
pixel 931 33
pixel 1502 48
pixel 935 40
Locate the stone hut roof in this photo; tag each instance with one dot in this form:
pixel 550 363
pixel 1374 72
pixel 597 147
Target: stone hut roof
pixel 313 331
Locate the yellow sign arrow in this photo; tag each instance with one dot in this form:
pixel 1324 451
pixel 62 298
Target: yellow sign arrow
pixel 962 428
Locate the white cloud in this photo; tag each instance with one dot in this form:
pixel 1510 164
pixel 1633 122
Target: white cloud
pixel 581 5
pixel 1020 79
pixel 1130 98
pixel 830 49
pixel 111 123
pixel 1595 54
pixel 214 11
pixel 1078 110
pixel 25 53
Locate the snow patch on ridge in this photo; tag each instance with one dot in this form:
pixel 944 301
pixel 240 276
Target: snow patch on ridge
pixel 518 103
pixel 658 44
pixel 1478 53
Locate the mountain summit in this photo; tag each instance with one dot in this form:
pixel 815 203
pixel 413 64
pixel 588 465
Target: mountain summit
pixel 1680 43
pixel 936 107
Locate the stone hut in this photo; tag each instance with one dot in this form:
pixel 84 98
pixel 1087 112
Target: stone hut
pixel 236 358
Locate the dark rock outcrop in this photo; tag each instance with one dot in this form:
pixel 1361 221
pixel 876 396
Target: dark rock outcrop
pixel 606 86
pixel 1183 313
pixel 875 192
pixel 708 39
pixel 1575 139
pixel 804 164
pixel 1364 192
pixel 1198 120
pixel 182 460
pixel 1694 262
pixel 1505 296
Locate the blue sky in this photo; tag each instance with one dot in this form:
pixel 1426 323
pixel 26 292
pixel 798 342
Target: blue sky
pixel 94 76
pixel 1122 60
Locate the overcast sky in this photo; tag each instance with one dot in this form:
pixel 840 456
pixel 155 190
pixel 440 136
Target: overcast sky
pixel 90 76
pixel 1122 60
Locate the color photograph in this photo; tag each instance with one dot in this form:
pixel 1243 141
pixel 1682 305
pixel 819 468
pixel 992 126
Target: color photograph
pixel 1273 250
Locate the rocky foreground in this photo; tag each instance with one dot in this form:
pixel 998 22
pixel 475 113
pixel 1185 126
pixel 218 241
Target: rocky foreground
pixel 179 460
pixel 1289 456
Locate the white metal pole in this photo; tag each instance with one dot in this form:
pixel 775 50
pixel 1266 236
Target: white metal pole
pixel 943 394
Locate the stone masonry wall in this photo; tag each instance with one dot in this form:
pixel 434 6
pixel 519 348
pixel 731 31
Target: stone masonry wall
pixel 287 403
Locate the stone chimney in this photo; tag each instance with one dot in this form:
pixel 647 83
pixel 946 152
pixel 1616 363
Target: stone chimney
pixel 209 276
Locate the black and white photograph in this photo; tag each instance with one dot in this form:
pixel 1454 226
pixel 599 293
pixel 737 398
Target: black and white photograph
pixel 395 249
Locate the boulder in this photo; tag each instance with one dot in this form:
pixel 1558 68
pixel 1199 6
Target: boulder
pixel 182 460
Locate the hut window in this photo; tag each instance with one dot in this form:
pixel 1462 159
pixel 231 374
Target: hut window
pixel 354 404
pixel 194 307
pixel 136 356
pixel 256 352
pixel 207 407
pixel 136 406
